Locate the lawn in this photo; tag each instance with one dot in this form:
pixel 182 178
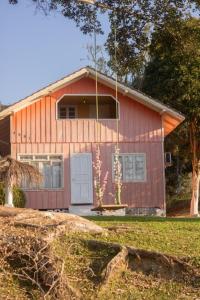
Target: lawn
pixel 178 237
pixel 83 266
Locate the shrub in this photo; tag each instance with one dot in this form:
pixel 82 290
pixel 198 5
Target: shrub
pixel 2 194
pixel 19 198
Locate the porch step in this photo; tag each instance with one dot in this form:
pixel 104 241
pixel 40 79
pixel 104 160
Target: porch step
pixel 82 210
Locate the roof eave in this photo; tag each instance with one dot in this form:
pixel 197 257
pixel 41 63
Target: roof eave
pixel 43 92
pixel 136 95
pixel 143 99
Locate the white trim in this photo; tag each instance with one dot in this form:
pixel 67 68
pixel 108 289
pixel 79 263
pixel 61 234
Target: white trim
pixel 92 95
pixel 135 154
pixel 47 154
pixel 145 100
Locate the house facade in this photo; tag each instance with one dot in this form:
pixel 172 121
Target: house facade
pixel 56 129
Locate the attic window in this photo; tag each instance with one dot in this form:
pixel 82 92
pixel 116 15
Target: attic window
pixel 84 107
pixel 67 112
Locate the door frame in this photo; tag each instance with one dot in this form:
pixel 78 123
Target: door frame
pixel 89 154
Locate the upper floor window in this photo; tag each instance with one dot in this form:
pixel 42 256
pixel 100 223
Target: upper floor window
pixel 67 112
pixel 84 107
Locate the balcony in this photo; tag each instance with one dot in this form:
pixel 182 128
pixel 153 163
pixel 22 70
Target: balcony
pixel 84 107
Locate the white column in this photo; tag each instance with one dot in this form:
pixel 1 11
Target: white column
pixel 9 197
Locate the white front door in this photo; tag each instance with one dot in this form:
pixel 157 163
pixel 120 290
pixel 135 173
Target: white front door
pixel 81 178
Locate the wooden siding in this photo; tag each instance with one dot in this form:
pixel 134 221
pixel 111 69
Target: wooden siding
pixel 5 136
pixel 143 194
pixel 37 123
pixel 35 129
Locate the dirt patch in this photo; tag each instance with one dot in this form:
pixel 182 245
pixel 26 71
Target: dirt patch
pixel 148 262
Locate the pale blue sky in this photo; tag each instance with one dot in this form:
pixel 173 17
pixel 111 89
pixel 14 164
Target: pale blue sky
pixel 36 50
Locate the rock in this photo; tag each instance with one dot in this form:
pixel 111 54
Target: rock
pixel 48 220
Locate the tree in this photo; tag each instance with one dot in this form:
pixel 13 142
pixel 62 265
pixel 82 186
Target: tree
pixel 98 59
pixel 178 174
pixel 134 22
pixel 13 172
pixel 172 75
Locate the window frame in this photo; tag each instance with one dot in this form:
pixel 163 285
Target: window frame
pixel 59 112
pixel 45 160
pixel 68 106
pixel 131 154
pixel 82 95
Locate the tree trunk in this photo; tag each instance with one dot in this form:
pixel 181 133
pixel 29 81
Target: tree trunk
pixel 194 211
pixel 9 196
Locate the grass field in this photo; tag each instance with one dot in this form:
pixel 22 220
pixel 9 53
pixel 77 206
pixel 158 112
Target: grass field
pixel 83 265
pixel 178 237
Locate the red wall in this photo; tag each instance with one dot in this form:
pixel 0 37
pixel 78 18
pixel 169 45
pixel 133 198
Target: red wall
pixel 35 130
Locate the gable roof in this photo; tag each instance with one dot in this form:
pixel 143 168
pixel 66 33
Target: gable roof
pixel 171 117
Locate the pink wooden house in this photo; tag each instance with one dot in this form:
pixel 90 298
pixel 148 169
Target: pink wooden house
pixel 56 130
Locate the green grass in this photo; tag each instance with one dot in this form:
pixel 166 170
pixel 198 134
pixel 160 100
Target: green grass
pixel 179 237
pixel 131 219
pixel 83 266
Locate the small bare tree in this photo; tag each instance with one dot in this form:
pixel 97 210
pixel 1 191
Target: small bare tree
pixel 118 176
pixel 98 184
pixel 13 172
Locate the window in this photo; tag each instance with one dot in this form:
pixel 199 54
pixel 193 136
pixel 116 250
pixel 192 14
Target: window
pixel 50 166
pixel 133 167
pixel 63 112
pixel 71 112
pixel 67 112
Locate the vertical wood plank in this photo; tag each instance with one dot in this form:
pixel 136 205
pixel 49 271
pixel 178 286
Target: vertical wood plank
pixel 38 121
pixel 48 119
pixel 43 119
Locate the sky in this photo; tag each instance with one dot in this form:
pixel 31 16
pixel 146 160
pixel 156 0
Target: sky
pixel 36 50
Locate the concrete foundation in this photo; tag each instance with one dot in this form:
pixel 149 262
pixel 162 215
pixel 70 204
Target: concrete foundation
pixel 82 210
pixel 145 211
pixel 85 210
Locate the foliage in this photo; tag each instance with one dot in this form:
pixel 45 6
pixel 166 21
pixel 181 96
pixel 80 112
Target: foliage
pixel 19 197
pixel 13 172
pixel 99 186
pixel 172 75
pixel 134 21
pixel 99 60
pixel 117 167
pixel 178 175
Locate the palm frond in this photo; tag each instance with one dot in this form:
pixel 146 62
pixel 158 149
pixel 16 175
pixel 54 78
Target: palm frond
pixel 14 172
